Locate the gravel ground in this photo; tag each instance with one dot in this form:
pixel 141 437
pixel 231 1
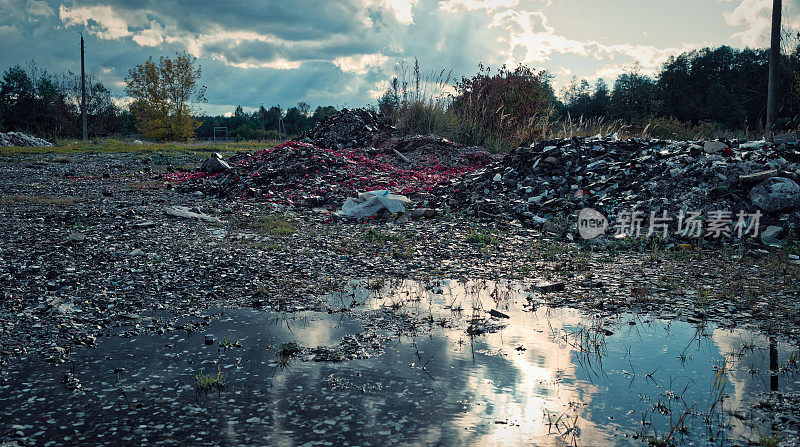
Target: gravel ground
pixel 87 246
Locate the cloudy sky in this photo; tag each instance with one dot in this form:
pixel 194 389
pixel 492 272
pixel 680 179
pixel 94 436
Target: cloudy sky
pixel 344 52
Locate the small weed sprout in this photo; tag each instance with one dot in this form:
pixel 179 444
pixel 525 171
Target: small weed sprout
pixel 287 351
pixel 771 440
pixel 206 383
pixel 228 343
pixel 474 237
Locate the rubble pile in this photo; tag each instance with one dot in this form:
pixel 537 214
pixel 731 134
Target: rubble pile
pixel 429 150
pixel 19 139
pixel 356 128
pixel 303 174
pixel 558 178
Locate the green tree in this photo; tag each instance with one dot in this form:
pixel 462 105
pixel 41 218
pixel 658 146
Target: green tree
pixel 633 97
pixel 165 96
pixel 390 101
pixel 103 116
pixel 601 100
pixel 17 95
pixel 321 112
pixel 578 98
pixel 295 120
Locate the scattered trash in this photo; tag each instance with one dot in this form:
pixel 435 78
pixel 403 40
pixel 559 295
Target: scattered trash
pixel 370 203
pixel 315 172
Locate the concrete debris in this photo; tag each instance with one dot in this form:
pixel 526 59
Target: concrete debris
pixel 548 183
pixel 551 287
pixel 311 176
pixel 714 147
pixel 770 235
pixel 215 164
pixel 758 176
pixel 346 129
pixel 12 139
pixel 776 194
pixel 186 213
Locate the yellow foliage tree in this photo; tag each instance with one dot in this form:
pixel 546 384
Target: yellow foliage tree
pixel 165 96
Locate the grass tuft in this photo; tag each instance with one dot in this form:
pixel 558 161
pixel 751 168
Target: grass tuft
pixel 206 383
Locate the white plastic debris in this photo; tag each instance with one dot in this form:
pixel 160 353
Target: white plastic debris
pixel 371 203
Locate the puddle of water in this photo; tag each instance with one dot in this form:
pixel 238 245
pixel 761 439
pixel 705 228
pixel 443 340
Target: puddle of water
pixel 548 377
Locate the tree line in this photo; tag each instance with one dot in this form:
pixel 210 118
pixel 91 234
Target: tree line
pixel 165 93
pixel 48 105
pixel 723 87
pixel 265 123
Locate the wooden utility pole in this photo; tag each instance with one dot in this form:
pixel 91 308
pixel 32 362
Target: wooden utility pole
pixel 83 95
pixel 774 69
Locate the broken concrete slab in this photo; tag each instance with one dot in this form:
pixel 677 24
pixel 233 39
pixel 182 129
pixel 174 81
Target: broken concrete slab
pixel 758 176
pixel 776 194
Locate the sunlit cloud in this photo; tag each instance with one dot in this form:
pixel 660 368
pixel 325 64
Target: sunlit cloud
pixel 360 63
pixel 754 16
pixel 402 10
pixel 461 6
pixel 103 21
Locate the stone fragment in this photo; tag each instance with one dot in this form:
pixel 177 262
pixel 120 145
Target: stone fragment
pixel 76 237
pixel 215 164
pixel 770 236
pixel 183 212
pixel 714 147
pixel 776 194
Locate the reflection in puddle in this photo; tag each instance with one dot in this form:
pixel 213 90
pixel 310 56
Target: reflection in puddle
pixel 534 376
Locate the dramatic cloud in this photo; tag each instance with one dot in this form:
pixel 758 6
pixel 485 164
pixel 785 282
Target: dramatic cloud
pixel 104 21
pixel 345 52
pixel 753 18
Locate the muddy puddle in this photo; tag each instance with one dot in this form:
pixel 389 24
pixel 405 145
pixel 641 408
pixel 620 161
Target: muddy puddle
pixel 445 362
